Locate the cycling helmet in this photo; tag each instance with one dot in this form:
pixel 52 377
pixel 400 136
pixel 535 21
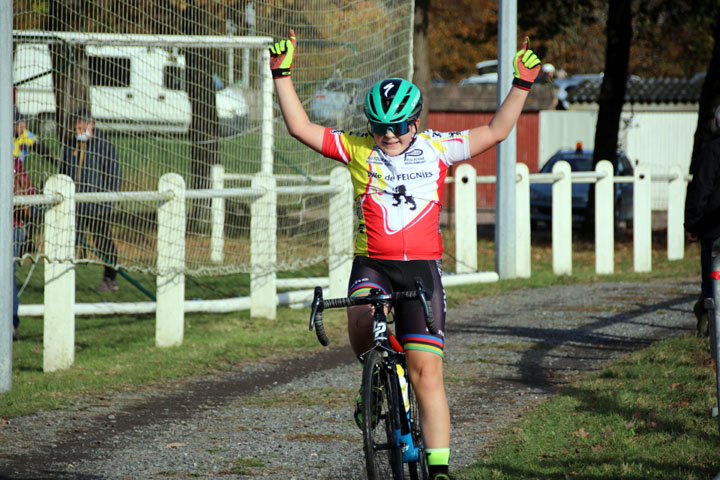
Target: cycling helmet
pixel 393 100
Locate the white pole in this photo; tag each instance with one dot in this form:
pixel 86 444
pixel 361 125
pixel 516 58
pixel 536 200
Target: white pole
pixel 604 219
pixel 465 218
pixel 507 150
pixel 642 220
pixel 170 315
pixel 59 324
pixel 6 194
pixel 522 219
pixel 217 207
pixel 263 248
pixel 562 219
pixel 676 214
pixel 266 129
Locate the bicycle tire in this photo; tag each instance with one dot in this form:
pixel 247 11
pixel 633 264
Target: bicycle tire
pixel 383 458
pixel 418 470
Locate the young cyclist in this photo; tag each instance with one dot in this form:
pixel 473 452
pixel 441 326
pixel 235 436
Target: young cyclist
pixel 398 173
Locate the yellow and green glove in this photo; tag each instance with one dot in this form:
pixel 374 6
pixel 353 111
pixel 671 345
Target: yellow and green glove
pixel 281 56
pixel 527 67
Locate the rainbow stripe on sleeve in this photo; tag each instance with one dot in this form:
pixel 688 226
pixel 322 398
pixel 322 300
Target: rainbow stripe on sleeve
pixel 426 343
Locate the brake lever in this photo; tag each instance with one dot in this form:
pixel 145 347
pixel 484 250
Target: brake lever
pixel 317 306
pixel 420 289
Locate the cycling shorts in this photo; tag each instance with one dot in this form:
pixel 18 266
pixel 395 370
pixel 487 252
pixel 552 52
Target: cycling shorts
pixel 397 276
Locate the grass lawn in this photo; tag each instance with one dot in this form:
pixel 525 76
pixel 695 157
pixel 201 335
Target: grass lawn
pixel 643 417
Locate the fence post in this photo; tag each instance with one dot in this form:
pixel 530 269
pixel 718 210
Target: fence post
pixel 676 214
pixel 340 234
pixel 642 220
pixel 170 313
pixel 604 218
pixel 59 315
pixel 522 219
pixel 562 219
pixel 217 237
pixel 465 219
pixel 263 247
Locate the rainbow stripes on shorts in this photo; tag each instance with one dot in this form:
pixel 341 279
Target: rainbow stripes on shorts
pixel 426 343
pixel 364 289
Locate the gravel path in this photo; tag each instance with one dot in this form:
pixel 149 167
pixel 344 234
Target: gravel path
pixel 293 419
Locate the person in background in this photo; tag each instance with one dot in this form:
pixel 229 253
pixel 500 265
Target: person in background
pixel 702 216
pixel 21 213
pixel 90 159
pixel 24 143
pixel 547 73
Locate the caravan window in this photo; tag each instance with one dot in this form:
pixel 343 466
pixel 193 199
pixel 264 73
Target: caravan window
pixel 174 77
pixel 109 71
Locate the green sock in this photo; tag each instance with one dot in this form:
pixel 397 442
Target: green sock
pixel 438 456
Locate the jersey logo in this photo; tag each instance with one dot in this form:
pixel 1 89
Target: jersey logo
pixel 414 157
pixel 401 195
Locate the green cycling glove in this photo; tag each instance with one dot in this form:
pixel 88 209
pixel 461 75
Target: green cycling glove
pixel 281 56
pixel 527 67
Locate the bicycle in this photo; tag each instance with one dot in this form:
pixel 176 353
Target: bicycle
pixel 392 434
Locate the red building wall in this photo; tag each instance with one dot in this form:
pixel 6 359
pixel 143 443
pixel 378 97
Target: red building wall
pixel 527 147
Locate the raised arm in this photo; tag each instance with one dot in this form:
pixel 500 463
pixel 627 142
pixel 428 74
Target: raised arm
pixel 527 67
pixel 296 119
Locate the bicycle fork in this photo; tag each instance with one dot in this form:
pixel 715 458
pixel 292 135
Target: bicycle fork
pixel 403 435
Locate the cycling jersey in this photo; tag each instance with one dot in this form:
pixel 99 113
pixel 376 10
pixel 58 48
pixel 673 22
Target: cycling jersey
pixel 398 197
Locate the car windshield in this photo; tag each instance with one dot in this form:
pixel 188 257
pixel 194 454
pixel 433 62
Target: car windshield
pixel 578 163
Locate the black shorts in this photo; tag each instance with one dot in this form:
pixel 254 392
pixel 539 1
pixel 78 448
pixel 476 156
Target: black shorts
pixel 397 276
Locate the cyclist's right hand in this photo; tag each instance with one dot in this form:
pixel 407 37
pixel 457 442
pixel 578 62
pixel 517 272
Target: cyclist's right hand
pixel 281 56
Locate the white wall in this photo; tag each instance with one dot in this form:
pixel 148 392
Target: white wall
pixel 655 139
pixel 660 140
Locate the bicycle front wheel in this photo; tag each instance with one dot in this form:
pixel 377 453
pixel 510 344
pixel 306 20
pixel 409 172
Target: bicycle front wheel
pixel 383 458
pixel 419 469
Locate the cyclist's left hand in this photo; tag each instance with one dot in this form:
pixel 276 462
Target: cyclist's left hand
pixel 526 65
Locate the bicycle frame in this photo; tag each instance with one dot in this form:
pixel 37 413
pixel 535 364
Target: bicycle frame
pixel 389 358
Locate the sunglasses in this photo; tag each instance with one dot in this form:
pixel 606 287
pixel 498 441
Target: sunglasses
pixel 397 128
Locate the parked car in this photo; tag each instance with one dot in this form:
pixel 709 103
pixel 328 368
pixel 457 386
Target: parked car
pixel 487 73
pixel 580 161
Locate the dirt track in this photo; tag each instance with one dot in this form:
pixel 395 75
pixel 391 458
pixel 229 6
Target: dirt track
pixel 294 419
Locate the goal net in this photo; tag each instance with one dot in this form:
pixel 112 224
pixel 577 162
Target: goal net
pixel 176 87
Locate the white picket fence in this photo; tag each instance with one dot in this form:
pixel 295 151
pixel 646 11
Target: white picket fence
pixel 59 308
pixel 562 179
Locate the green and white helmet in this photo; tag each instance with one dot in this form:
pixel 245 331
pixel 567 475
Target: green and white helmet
pixel 393 100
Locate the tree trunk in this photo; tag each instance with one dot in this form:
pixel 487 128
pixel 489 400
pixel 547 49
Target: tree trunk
pixel 421 59
pixel 612 93
pixel 69 64
pixel 205 149
pixel 709 99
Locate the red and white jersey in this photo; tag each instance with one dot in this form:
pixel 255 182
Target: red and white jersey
pixel 398 197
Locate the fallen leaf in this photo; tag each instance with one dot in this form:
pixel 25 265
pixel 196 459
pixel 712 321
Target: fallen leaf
pixel 581 433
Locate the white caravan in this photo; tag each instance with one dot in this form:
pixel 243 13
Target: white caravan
pixel 139 89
